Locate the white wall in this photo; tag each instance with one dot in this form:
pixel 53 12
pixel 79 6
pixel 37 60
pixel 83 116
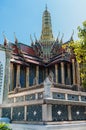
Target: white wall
pixel 2 73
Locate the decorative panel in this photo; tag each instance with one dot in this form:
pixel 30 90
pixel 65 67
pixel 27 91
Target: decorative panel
pixel 34 113
pixel 59 113
pixel 6 112
pixel 73 97
pixel 40 95
pixel 10 100
pixel 58 95
pixel 32 74
pixel 83 98
pixel 18 114
pixel 30 97
pixel 78 112
pixel 20 99
pixel 23 76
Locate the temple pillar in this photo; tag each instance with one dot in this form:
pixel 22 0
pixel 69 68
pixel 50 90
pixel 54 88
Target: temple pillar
pixel 47 112
pixel 73 71
pixel 69 113
pixel 18 76
pixel 11 77
pixel 27 77
pixel 37 74
pixel 78 75
pixel 62 73
pixel 69 73
pixel 56 72
pixel 25 113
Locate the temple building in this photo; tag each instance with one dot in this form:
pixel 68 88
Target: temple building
pixel 43 84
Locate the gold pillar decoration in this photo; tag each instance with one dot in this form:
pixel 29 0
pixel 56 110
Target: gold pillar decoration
pixel 18 76
pixel 73 69
pixel 11 77
pixel 37 74
pixel 62 73
pixel 27 77
pixel 56 72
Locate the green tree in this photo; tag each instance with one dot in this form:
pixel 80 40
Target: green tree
pixel 82 37
pixel 4 126
pixel 79 49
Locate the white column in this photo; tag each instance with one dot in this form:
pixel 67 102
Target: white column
pixel 46 112
pixel 62 73
pixel 25 113
pixel 69 113
pixel 18 76
pixel 27 77
pixel 73 70
pixel 56 72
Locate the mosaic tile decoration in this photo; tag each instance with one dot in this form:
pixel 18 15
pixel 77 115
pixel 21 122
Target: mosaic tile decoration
pixel 59 113
pixel 78 112
pixel 34 113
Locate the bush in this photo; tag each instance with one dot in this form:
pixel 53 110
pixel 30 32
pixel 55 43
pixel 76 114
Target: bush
pixel 4 126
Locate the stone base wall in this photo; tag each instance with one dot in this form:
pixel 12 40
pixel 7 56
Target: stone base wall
pixel 36 113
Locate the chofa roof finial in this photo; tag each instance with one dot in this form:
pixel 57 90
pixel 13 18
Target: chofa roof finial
pixel 5 40
pixel 16 40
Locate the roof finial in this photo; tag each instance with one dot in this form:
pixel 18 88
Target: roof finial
pixel 71 39
pixel 16 40
pixel 46 7
pixel 5 40
pixel 61 41
pixel 31 40
pixel 35 37
pixel 58 37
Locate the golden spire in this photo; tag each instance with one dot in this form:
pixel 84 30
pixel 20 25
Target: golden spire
pixel 46 34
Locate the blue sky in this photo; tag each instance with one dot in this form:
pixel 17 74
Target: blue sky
pixel 24 17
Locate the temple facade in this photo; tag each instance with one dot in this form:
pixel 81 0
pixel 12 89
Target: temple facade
pixel 43 83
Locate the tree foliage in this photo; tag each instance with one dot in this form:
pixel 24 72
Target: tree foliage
pixel 4 126
pixel 79 48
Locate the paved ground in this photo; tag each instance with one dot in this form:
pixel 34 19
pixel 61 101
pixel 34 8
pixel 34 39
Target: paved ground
pixel 77 126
